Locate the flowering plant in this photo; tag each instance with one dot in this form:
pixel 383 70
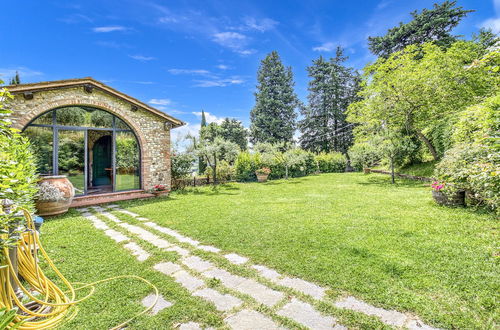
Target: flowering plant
pixel 438 186
pixel 160 187
pixel 263 171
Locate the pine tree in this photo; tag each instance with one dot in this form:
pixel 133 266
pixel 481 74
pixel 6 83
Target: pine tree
pixel 202 165
pixel 332 88
pixel 429 25
pixel 16 80
pixel 273 116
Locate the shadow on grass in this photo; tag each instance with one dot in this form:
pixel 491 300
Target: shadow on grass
pixel 385 181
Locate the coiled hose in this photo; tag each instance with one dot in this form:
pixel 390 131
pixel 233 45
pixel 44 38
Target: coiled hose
pixel 55 305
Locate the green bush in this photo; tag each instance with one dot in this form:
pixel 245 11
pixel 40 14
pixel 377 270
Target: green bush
pixel 245 166
pixel 17 171
pixel 225 172
pixel 182 164
pixel 331 162
pixel 363 155
pixel 475 168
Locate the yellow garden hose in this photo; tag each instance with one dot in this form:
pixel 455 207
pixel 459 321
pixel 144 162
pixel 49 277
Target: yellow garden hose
pixel 56 305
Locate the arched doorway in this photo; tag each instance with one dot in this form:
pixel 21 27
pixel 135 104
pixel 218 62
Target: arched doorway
pixel 97 150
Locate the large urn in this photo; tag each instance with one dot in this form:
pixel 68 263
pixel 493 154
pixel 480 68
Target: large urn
pixel 55 195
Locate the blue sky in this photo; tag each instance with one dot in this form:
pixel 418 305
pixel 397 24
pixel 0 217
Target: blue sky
pixel 184 56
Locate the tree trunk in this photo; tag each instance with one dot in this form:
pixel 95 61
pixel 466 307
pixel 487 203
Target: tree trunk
pixel 392 171
pixel 428 144
pixel 286 172
pixel 215 170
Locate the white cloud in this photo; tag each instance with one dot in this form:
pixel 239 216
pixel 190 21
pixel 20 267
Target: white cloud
pixel 209 117
pixel 260 25
pixel 178 135
pixel 160 101
pixel 229 39
pixel 222 67
pixel 493 24
pixel 142 58
pixel 113 28
pixel 219 82
pixel 24 72
pixel 325 47
pixel 199 72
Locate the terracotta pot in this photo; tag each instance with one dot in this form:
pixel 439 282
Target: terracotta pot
pixel 56 194
pixel 262 177
pixel 449 199
pixel 159 193
pixel 366 170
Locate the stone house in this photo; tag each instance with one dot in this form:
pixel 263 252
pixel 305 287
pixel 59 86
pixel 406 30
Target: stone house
pixel 108 143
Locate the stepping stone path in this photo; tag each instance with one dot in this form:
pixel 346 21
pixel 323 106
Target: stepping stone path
pixel 160 305
pixel 305 314
pixel 193 273
pixel 235 259
pixel 250 320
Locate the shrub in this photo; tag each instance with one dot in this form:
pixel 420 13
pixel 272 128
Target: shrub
pixel 17 171
pixel 246 165
pixel 225 172
pixel 331 162
pixel 182 164
pixel 363 155
pixel 475 168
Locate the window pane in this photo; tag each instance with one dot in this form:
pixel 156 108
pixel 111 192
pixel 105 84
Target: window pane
pixel 120 124
pixel 71 158
pixel 41 144
pixel 84 117
pixel 127 161
pixel 45 119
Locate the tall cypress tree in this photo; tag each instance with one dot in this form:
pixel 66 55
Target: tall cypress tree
pixel 332 87
pixel 202 165
pixel 273 116
pixel 16 80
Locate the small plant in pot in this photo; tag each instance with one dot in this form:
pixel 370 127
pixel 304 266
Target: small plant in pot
pixel 262 174
pixel 447 194
pixel 160 190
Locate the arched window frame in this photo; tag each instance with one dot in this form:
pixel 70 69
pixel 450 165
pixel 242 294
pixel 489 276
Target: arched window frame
pixel 55 139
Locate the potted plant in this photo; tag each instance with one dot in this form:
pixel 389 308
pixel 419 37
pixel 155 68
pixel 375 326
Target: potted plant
pixel 447 194
pixel 55 194
pixel 160 190
pixel 262 174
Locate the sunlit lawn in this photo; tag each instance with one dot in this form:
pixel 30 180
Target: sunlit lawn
pixel 387 244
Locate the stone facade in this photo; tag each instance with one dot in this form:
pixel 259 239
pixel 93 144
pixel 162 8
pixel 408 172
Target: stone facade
pixel 151 129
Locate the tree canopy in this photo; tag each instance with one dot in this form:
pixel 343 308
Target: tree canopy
pixel 273 116
pixel 332 87
pixel 430 25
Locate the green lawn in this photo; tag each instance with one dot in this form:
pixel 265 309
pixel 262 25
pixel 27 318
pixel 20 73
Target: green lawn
pixel 389 245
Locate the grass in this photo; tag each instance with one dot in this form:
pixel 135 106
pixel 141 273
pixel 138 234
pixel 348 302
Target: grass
pixel 389 245
pixel 425 169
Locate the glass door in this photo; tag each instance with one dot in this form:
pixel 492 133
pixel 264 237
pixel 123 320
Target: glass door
pixel 71 157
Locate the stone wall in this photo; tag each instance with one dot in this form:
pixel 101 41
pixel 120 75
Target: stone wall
pixel 154 138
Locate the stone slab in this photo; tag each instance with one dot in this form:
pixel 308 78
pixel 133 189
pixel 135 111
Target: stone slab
pixel 390 317
pixel 228 280
pixel 268 273
pixel 132 214
pixel 173 233
pixel 142 219
pixel 250 320
pixel 99 224
pixel 188 281
pixel 418 325
pixel 116 235
pixel 161 304
pixel 147 236
pixel 236 259
pixel 198 264
pixel 306 315
pixel 111 217
pixel 82 209
pixel 113 206
pixel 137 251
pixel 167 268
pixel 260 292
pixel 181 251
pixel 190 326
pixel 209 248
pixel 305 287
pixel 222 302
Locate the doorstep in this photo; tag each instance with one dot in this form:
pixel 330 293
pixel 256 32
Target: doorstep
pixel 96 199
